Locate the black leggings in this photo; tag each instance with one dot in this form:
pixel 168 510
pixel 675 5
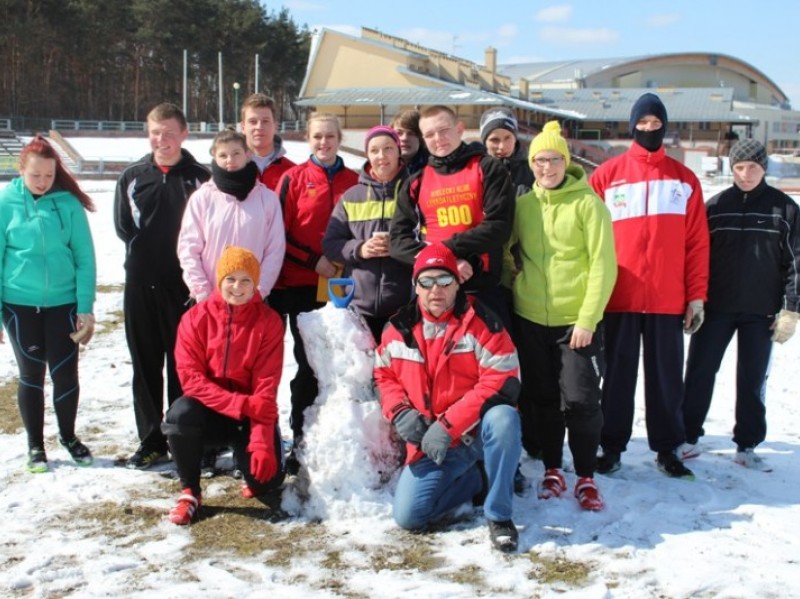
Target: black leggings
pixel 40 339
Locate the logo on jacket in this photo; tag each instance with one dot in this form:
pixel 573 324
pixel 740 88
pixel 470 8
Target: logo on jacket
pixel 619 200
pixel 677 194
pixel 311 189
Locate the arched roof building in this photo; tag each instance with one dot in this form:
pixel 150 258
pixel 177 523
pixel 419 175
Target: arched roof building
pixel 709 96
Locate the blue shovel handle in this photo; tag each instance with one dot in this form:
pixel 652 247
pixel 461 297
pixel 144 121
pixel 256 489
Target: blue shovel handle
pixel 343 301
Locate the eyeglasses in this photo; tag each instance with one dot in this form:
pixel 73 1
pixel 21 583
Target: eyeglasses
pixel 554 161
pixel 440 281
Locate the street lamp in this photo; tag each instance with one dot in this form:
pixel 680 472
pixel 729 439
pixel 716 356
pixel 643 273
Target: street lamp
pixel 235 102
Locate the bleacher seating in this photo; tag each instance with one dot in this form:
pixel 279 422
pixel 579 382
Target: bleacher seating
pixel 10 147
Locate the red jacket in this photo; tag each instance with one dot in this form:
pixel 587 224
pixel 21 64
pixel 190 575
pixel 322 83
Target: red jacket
pixel 477 369
pixel 308 196
pixel 273 172
pixel 660 231
pixel 225 354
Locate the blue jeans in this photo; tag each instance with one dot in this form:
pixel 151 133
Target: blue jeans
pixel 426 492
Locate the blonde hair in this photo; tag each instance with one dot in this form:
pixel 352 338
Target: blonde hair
pixel 325 117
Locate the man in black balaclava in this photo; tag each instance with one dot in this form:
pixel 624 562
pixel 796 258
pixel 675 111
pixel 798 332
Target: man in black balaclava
pixel 661 239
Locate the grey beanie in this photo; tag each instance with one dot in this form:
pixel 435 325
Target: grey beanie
pixel 497 118
pixel 749 150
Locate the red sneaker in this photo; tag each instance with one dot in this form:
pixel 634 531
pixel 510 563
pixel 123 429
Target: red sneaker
pixel 588 495
pixel 186 509
pixel 553 484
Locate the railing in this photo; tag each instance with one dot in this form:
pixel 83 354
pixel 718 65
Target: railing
pixel 67 125
pixel 5 123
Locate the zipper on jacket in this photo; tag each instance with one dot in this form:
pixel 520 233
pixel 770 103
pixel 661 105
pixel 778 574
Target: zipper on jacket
pixel 228 333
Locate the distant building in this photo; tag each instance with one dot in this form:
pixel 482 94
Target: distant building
pixel 711 98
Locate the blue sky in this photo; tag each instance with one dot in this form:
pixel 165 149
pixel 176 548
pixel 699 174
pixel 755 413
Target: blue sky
pixel 763 33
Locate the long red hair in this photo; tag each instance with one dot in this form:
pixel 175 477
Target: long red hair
pixel 39 146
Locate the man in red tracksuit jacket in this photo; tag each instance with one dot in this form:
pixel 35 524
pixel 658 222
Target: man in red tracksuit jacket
pixel 661 239
pixel 448 378
pixel 229 356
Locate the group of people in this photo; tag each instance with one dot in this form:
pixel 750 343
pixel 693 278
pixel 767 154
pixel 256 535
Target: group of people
pixel 508 294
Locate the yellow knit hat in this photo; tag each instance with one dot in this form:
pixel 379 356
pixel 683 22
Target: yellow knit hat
pixel 236 258
pixel 549 139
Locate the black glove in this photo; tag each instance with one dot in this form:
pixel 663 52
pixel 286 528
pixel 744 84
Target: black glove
pixel 436 442
pixel 411 426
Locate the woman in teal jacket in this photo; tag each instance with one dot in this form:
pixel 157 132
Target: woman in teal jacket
pixel 568 269
pixel 47 291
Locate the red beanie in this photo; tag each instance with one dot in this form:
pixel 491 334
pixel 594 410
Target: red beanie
pixel 436 255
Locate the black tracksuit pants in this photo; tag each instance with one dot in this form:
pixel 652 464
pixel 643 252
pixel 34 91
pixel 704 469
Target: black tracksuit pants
pixel 190 427
pixel 560 393
pixel 753 353
pixel 152 314
pixel 303 387
pixel 40 340
pixel 661 336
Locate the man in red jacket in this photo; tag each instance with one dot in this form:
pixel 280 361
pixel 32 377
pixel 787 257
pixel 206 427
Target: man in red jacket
pixel 448 378
pixel 229 356
pixel 259 125
pixel 661 238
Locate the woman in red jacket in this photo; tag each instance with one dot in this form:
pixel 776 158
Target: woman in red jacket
pixel 308 193
pixel 229 357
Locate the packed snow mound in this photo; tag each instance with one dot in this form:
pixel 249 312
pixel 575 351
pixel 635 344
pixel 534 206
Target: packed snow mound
pixel 348 453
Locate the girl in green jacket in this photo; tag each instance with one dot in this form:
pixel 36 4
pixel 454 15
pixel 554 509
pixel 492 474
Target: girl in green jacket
pixel 568 268
pixel 47 291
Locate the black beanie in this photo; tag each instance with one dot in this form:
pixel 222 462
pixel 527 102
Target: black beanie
pixel 497 118
pixel 648 104
pixel 749 150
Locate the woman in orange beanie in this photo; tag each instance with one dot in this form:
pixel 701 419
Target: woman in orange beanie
pixel 229 357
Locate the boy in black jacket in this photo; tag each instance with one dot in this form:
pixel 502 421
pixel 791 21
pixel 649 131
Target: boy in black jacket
pixel 752 291
pixel 148 207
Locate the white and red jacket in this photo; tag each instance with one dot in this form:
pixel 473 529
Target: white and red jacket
pixel 660 231
pixel 214 219
pixel 452 369
pixel 227 354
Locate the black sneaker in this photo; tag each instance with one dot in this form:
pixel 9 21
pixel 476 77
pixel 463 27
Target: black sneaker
pixel 608 462
pixel 504 535
pixel 670 465
pixel 37 460
pixel 520 482
pixel 208 466
pixel 292 464
pixel 79 452
pixel 145 458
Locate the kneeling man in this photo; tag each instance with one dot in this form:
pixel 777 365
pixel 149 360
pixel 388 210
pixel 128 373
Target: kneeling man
pixel 448 378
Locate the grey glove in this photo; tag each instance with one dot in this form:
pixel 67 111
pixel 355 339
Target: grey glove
pixel 436 442
pixel 784 326
pixel 411 426
pixel 695 312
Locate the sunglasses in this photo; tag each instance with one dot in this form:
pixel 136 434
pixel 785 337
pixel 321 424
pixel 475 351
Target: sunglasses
pixel 440 281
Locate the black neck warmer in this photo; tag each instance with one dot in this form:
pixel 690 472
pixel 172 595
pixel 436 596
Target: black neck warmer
pixel 236 183
pixel 650 140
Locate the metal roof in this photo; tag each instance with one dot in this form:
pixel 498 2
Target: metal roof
pixel 713 104
pixel 562 70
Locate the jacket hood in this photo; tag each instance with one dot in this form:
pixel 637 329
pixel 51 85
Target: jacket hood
pixel 222 309
pixel 458 158
pixel 575 180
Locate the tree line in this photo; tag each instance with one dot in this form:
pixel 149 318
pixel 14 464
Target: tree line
pixel 100 60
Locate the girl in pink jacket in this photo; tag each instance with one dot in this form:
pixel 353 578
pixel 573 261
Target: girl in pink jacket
pixel 233 208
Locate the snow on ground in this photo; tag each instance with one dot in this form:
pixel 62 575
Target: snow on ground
pixel 100 531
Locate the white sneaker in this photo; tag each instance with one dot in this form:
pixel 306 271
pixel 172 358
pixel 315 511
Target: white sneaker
pixel 751 461
pixel 688 451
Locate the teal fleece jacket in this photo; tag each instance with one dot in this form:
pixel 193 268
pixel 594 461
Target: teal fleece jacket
pixel 46 251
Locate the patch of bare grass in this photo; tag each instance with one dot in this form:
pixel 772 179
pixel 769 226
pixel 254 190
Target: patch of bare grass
pixel 559 569
pixel 10 421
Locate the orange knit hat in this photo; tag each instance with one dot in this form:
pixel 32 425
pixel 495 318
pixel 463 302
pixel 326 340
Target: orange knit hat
pixel 237 258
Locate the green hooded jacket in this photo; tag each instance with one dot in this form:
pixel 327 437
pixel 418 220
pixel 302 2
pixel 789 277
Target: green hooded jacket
pixel 566 248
